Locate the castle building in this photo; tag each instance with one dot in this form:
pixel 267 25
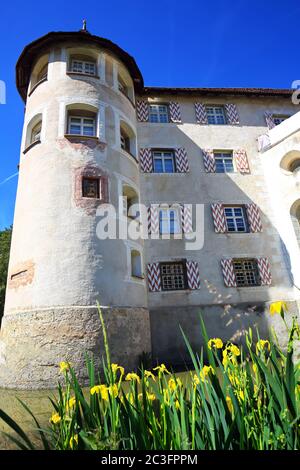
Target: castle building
pixel 218 171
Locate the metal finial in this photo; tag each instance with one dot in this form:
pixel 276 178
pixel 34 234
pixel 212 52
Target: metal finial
pixel 83 25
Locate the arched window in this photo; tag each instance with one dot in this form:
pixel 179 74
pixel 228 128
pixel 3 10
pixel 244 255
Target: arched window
pixel 127 139
pixel 295 216
pixel 39 73
pixel 136 264
pixel 81 120
pixel 33 132
pixel 43 73
pixel 125 84
pixel 131 201
pixel 83 62
pixel 291 161
pixel 294 165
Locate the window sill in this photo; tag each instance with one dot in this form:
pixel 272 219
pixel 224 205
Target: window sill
pixel 36 85
pixel 179 291
pixel 127 97
pixel 81 137
pixel 82 74
pixel 138 278
pixel 30 146
pixel 128 155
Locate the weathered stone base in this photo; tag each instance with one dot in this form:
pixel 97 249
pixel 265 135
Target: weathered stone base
pixel 33 343
pixel 229 322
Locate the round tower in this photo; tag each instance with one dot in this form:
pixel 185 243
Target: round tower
pixel 78 159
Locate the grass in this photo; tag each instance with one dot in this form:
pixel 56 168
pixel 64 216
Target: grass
pixel 239 398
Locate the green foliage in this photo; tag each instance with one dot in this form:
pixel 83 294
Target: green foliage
pixel 5 240
pixel 247 398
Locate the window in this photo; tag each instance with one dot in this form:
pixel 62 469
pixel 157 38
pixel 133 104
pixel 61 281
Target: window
pixel 125 141
pixel 158 113
pixel 278 119
pixel 122 86
pixel 246 272
pixel 130 202
pixel 82 66
pixel 136 264
pixel 173 276
pixel 91 188
pixel 295 165
pixel 235 219
pixel 81 126
pixel 163 162
pixel 215 115
pixel 224 162
pixel 42 75
pixel 36 133
pixel 169 221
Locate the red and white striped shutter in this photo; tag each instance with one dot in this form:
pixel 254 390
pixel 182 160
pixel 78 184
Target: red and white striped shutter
pixel 182 163
pixel 254 219
pixel 174 110
pixel 241 161
pixel 219 218
pixel 228 272
pixel 153 220
pixel 142 111
pixel 209 161
pixel 186 218
pixel 269 120
pixel 146 160
pixel 264 271
pixel 201 116
pixel 154 280
pixel 193 276
pixel 232 114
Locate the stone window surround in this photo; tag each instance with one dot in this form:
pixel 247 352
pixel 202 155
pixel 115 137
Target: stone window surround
pixel 89 204
pixel 131 245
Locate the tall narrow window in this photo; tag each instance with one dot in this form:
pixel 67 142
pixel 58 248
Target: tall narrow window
pixel 91 187
pixel 164 161
pixel 158 113
pixel 169 221
pixel 215 115
pixel 122 86
pixel 224 162
pixel 173 276
pixel 235 219
pixel 42 75
pixel 79 125
pixel 125 141
pixel 36 133
pixel 246 272
pixel 136 264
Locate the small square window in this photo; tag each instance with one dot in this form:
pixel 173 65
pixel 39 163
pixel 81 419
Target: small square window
pixel 235 219
pixel 164 162
pixel 91 187
pixel 224 162
pixel 246 272
pixel 215 115
pixel 158 113
pixel 169 221
pixel 173 276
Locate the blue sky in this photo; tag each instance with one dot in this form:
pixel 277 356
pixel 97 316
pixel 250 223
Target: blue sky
pixel 175 43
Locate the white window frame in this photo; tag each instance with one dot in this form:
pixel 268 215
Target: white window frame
pixel 154 110
pixel 85 64
pixel 213 115
pixel 234 218
pixel 164 155
pixel 36 132
pixel 224 156
pixel 82 125
pixel 164 218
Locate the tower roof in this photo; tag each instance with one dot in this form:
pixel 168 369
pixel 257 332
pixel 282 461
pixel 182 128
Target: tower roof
pixel 35 48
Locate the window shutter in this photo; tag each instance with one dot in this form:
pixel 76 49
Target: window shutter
pixel 228 272
pixel 241 161
pixel 146 161
pixel 209 161
pixel 269 120
pixel 232 114
pixel 264 271
pixel 182 164
pixel 175 114
pixel 153 220
pixel 186 218
pixel 154 281
pixel 254 219
pixel 142 111
pixel 219 218
pixel 201 115
pixel 193 276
